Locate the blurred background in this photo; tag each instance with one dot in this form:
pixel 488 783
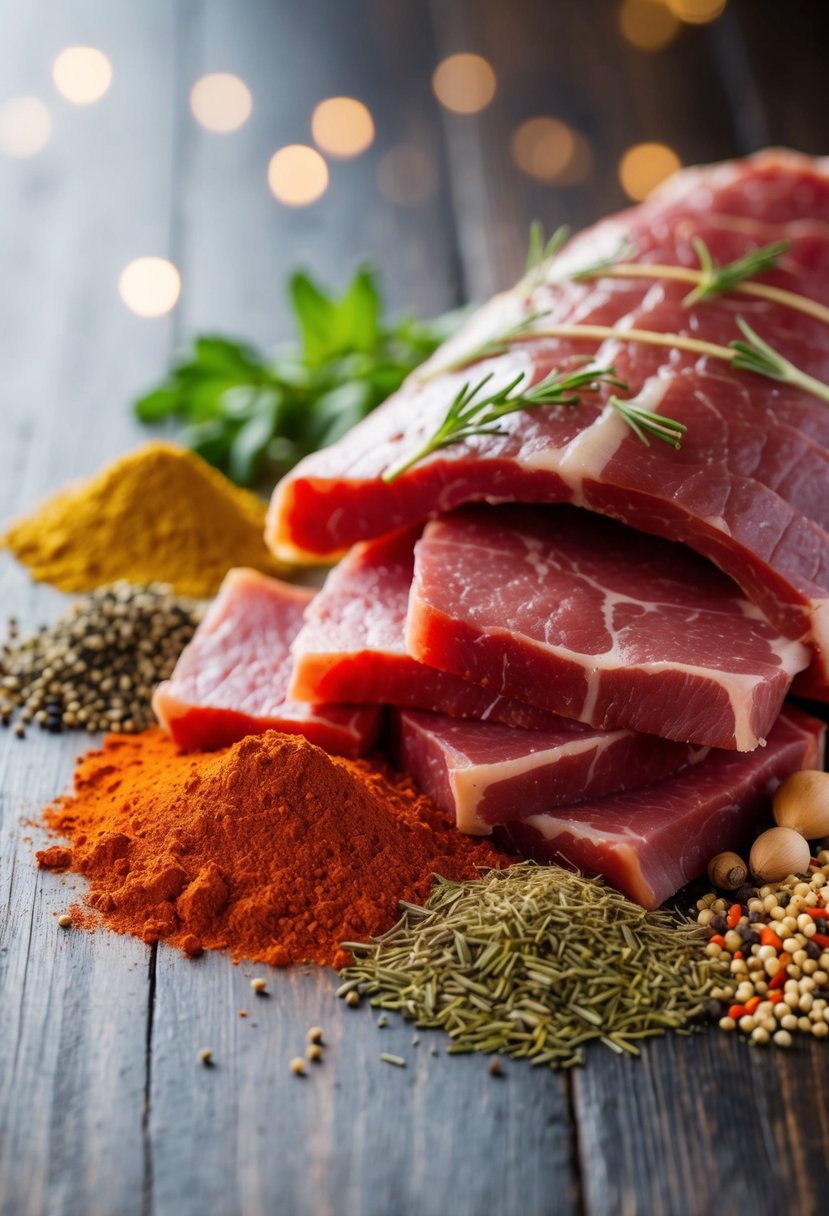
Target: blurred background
pixel 164 164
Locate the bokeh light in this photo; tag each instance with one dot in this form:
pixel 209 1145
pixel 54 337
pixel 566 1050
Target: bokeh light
pixel 82 74
pixel 648 24
pixel 25 126
pixel 342 126
pixel 543 147
pixel 696 12
pixel 149 286
pixel 464 83
pixel 407 175
pixel 221 102
pixel 297 175
pixel 644 166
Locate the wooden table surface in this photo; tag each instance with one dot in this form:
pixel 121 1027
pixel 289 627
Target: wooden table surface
pixel 104 1107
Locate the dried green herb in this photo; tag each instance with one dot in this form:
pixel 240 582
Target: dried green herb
pixel 535 962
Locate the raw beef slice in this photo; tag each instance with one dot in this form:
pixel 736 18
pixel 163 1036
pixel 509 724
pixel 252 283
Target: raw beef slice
pixel 231 680
pixel 484 774
pixel 651 842
pixel 750 487
pixel 352 647
pixel 591 620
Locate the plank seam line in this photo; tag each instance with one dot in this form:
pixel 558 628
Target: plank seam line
pixel 576 1145
pixel 146 1138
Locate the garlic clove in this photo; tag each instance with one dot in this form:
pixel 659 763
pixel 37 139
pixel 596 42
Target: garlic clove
pixel 727 871
pixel 778 853
pixel 802 803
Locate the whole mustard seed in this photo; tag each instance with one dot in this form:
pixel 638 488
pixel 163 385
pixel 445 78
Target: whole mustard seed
pixel 496 1068
pixel 65 920
pixel 352 999
pixel 314 1053
pixel 259 985
pixel 206 1056
pixel 315 1034
pixel 297 1066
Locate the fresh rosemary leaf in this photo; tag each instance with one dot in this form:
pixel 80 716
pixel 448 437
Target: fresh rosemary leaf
pixel 719 280
pixel 755 355
pixel 644 422
pixel 473 412
pixel 541 252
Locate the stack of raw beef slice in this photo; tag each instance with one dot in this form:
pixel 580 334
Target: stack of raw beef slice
pixel 586 643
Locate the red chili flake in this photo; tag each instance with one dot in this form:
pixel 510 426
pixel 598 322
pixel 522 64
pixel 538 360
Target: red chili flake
pixel 775 998
pixel 769 938
pixel 752 1004
pixel 736 1012
pixel 718 939
pixel 777 981
pixel 820 939
pixel 738 954
pixel 817 913
pixel 733 917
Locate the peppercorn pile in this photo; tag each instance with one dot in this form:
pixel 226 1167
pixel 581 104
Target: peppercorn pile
pixel 775 942
pixel 97 666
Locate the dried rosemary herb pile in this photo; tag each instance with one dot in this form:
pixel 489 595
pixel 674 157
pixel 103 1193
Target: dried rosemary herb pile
pixel 535 961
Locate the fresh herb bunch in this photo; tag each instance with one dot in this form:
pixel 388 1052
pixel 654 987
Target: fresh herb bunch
pixel 254 416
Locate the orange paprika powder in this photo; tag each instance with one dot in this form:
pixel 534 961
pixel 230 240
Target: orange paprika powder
pixel 269 849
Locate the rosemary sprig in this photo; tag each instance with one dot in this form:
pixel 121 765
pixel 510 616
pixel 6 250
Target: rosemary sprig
pixel 471 414
pixel 719 280
pixel 644 422
pixel 541 252
pixel 755 355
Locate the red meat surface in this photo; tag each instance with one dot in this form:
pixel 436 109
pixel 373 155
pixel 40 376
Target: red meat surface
pixel 352 646
pixel 651 842
pixel 231 680
pixel 749 487
pixel 484 774
pixel 594 621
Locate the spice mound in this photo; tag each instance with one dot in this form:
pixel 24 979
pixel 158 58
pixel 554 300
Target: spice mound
pixel 97 666
pixel 270 849
pixel 160 513
pixel 536 961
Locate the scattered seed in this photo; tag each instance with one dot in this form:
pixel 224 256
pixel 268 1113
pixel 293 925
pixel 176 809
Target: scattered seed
pixel 206 1056
pixel 314 1035
pixel 352 998
pixel 259 985
pixel 298 1066
pixel 388 1058
pixel 313 1052
pixel 496 1068
pixel 65 920
pixel 382 1021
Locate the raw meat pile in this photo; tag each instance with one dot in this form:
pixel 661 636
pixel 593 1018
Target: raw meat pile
pixel 586 642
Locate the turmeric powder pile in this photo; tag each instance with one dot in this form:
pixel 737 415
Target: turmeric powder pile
pixel 157 515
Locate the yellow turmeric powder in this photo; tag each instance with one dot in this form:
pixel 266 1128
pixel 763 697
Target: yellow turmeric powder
pixel 159 514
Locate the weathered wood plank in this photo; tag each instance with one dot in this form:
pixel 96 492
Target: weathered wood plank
pixel 237 242
pixel 73 1007
pixel 355 1135
pixel 703 1124
pixel 567 61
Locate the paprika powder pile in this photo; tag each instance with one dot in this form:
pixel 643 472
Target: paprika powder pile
pixel 269 849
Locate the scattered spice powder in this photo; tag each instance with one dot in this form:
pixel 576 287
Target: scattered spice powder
pixel 158 514
pixel 270 849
